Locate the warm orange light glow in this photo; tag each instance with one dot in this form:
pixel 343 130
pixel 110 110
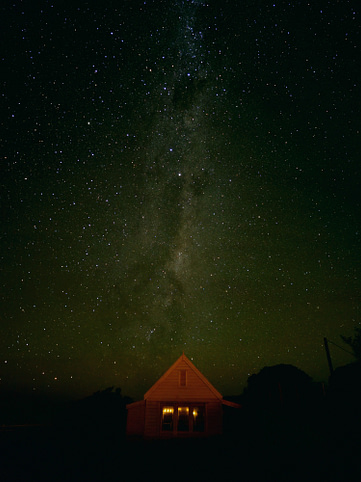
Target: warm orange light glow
pixel 183 409
pixel 168 410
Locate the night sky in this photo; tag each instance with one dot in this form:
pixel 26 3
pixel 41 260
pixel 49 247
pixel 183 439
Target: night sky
pixel 177 176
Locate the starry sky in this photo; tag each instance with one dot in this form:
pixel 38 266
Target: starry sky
pixel 176 175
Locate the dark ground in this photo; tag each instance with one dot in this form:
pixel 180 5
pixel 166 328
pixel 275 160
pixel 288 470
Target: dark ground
pixel 260 446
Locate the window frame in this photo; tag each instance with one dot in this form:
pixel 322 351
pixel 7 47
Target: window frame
pixel 191 406
pixel 167 411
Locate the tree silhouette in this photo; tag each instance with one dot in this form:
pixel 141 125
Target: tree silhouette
pixel 354 342
pixel 277 386
pixel 105 410
pixel 344 399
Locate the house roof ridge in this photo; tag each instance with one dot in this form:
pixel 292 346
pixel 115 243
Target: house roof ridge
pixel 191 365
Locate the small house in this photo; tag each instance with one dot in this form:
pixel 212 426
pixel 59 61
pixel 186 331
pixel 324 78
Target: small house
pixel 182 403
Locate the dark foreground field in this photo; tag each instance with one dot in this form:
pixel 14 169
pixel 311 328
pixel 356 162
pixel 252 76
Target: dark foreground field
pixel 255 449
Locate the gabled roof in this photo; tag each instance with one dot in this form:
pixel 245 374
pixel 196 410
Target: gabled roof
pixel 183 360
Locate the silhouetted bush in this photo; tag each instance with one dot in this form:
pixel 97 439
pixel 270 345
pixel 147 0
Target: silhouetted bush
pixel 103 411
pixel 354 342
pixel 279 386
pixel 344 397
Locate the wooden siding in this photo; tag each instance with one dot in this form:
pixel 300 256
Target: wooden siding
pixel 152 419
pixel 182 385
pixel 135 418
pixel 152 427
pixel 214 418
pixel 196 388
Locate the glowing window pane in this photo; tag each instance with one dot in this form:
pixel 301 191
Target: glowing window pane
pixel 198 419
pixel 167 419
pixel 183 419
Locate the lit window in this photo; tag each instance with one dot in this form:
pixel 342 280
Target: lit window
pixel 167 419
pixel 183 419
pixel 198 419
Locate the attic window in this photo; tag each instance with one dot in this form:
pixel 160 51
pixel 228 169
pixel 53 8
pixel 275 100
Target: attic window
pixel 182 378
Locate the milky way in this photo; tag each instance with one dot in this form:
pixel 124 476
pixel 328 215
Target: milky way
pixel 177 176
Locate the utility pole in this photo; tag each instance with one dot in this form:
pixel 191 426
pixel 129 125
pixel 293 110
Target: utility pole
pixel 328 355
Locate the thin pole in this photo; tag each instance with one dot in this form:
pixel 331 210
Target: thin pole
pixel 328 356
